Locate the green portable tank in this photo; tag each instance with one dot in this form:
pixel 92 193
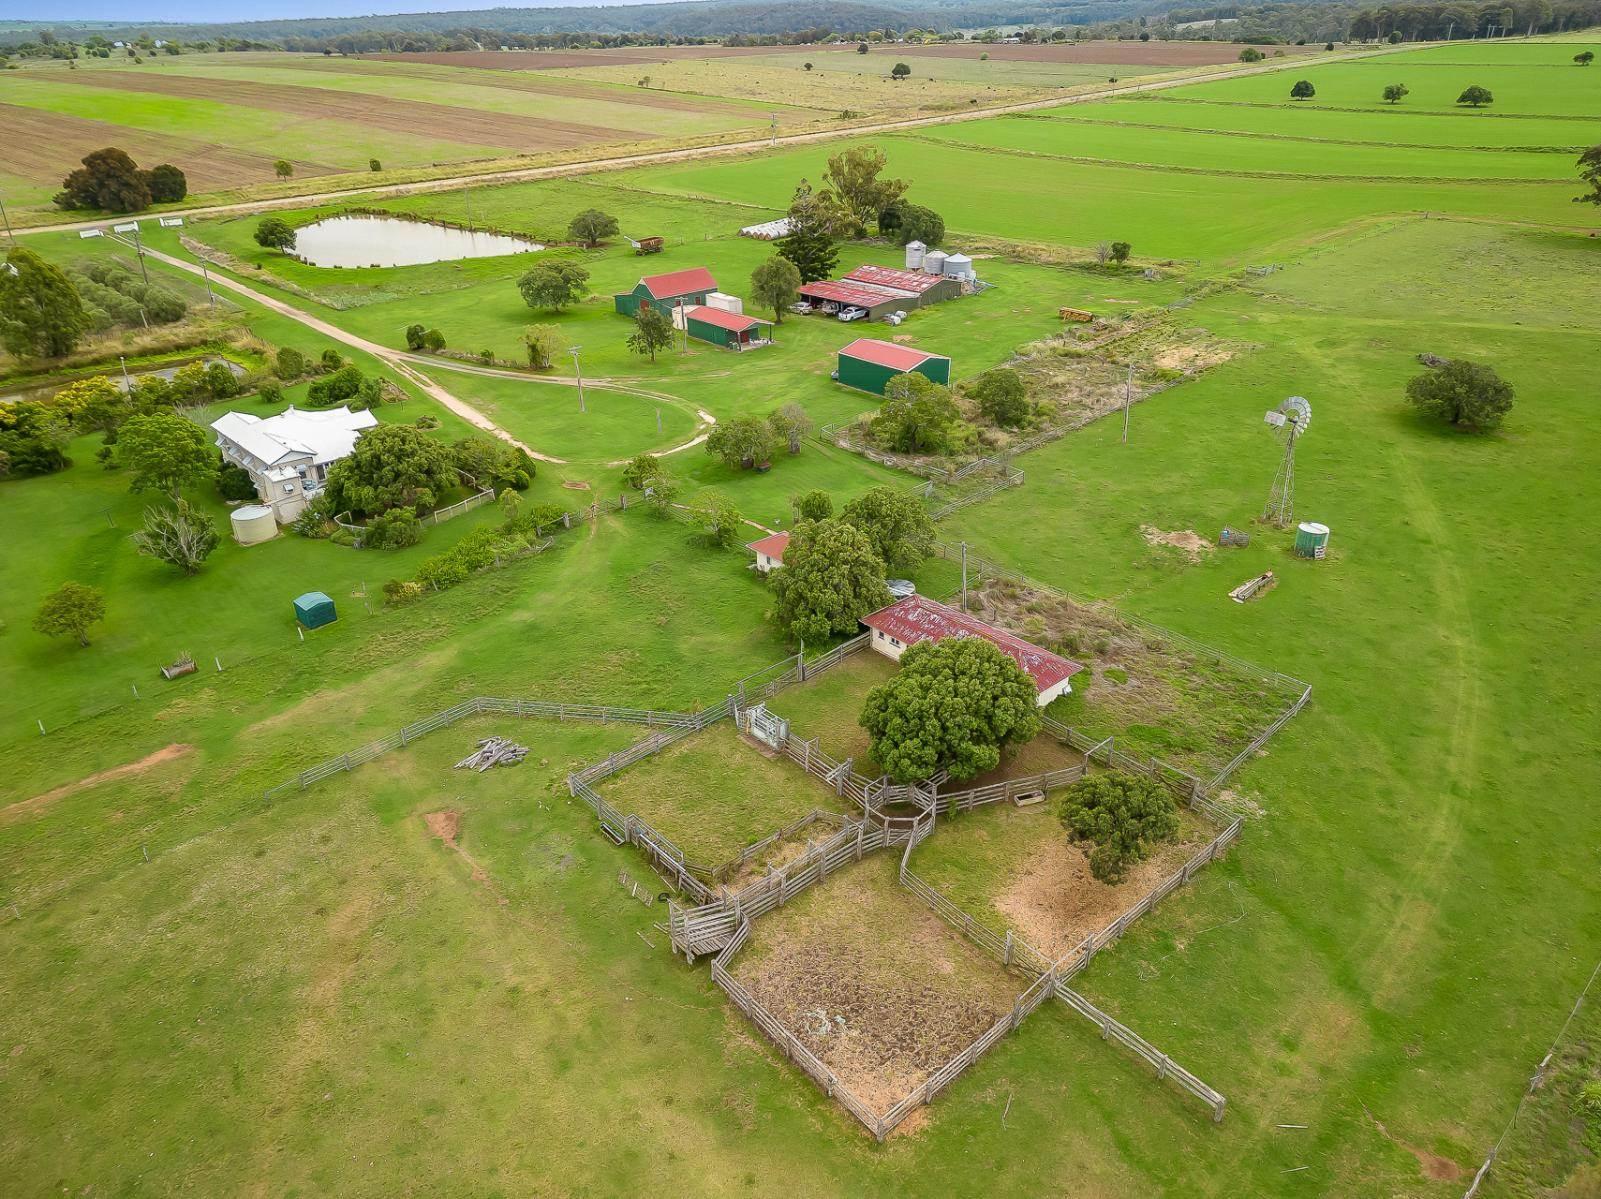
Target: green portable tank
pixel 1311 539
pixel 314 609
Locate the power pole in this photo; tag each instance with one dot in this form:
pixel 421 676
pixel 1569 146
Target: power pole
pixel 127 385
pixel 5 216
pixel 964 576
pixel 579 372
pixel 211 296
pixel 139 248
pixel 1128 398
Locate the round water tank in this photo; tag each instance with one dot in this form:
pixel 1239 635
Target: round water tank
pixel 253 523
pixel 958 266
pixel 1311 539
pixel 914 255
pixel 934 262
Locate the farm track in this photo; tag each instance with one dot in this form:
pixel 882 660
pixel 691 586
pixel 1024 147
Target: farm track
pixel 412 117
pixel 724 149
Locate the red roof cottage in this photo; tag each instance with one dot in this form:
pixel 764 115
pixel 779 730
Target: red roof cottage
pixel 917 618
pixel 769 551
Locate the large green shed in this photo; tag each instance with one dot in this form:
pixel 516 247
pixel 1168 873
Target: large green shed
pixel 314 609
pixel 667 292
pixel 868 364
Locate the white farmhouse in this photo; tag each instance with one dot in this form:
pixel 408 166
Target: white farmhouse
pixel 288 455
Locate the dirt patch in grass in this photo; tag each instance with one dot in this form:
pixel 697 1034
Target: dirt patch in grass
pixel 1436 1168
pixel 25 808
pixel 1194 546
pixel 1055 902
pixel 873 983
pixel 1158 698
pixel 445 825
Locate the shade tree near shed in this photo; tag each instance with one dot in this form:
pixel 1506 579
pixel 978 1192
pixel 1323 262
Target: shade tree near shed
pixel 553 284
pixel 954 705
pixel 718 519
pixel 70 610
pixel 790 425
pixel 918 416
pixel 896 525
pixel 810 241
pixel 165 452
pixel 854 187
pixel 743 442
pixel 1123 816
pixel 775 284
pixel 831 579
pixel 592 226
pixel 653 331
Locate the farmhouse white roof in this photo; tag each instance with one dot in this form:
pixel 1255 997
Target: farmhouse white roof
pixel 326 436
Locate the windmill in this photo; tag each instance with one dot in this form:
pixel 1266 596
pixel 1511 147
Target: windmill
pixel 1290 419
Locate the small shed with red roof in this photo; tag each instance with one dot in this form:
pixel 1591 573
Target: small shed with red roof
pixel 734 330
pixel 666 292
pixel 868 364
pixel 917 618
pixel 769 551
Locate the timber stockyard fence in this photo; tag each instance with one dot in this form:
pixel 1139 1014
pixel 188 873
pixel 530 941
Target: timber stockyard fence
pixel 720 920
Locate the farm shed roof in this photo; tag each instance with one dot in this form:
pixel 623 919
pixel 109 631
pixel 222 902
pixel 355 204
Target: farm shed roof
pixel 842 293
pixel 887 353
pixel 736 321
pixel 915 282
pixel 679 283
pixel 773 546
pixel 327 435
pixel 918 618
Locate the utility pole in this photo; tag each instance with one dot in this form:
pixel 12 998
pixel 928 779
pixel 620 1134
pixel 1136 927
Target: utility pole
pixel 1128 398
pixel 127 385
pixel 579 372
pixel 964 576
pixel 1449 30
pixel 772 127
pixel 139 248
pixel 211 297
pixel 6 216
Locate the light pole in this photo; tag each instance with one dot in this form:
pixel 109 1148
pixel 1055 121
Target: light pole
pixel 579 372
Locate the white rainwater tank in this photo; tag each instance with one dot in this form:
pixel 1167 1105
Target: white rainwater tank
pixel 934 262
pixel 914 255
pixel 253 523
pixel 723 302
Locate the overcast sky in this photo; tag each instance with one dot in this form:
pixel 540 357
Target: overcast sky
pixel 64 11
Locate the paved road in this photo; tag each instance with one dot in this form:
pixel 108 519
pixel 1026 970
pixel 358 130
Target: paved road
pixel 596 165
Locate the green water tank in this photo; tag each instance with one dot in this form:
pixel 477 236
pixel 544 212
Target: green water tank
pixel 1311 539
pixel 314 609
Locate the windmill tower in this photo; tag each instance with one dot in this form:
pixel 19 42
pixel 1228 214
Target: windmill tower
pixel 1290 419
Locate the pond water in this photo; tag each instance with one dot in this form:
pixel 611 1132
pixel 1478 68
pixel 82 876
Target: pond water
pixel 350 241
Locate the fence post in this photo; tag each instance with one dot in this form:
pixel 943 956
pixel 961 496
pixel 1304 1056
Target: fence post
pixel 1006 959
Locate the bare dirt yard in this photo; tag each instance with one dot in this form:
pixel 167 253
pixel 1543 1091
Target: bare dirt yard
pixel 873 982
pixel 1016 868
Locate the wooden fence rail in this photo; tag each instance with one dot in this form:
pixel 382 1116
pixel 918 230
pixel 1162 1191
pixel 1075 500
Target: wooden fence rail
pixel 1166 1067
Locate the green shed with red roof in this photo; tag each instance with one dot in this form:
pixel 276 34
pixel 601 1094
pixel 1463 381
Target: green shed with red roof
pixel 868 364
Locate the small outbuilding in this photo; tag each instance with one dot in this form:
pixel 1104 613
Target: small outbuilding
pixel 769 552
pixel 314 609
pixel 917 618
pixel 733 330
pixel 868 364
pixel 666 292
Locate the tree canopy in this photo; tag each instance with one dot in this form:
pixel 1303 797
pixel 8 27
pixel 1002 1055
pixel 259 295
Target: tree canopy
pixel 167 184
pixel 69 610
pixel 895 524
pixel 592 226
pixel 742 442
pixel 1475 96
pixel 392 466
pixel 493 463
pixel 1303 90
pixel 543 343
pixel 809 244
pixel 1394 93
pixel 554 284
pixel 853 187
pixel 902 222
pixel 1468 394
pixel 275 233
pixel 954 705
pixel 178 536
pixel 165 452
pixel 718 519
pixel 109 180
pixel 1001 397
pixel 41 315
pixel 916 417
pixel 790 425
pixel 1125 816
pixel 652 331
pixel 815 504
pixel 1590 172
pixel 830 579
pixel 773 284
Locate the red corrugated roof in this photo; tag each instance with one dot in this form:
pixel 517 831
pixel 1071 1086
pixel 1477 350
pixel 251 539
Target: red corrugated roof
pixel 843 293
pixel 773 546
pixel 917 618
pixel 723 320
pixel 883 276
pixel 887 353
pixel 679 283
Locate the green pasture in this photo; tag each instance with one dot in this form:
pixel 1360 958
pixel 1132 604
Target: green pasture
pixel 998 72
pixel 1191 152
pixel 1059 202
pixel 1389 125
pixel 1542 81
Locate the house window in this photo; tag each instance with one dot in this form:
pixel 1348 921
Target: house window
pixel 896 643
pixel 881 634
pixel 289 488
